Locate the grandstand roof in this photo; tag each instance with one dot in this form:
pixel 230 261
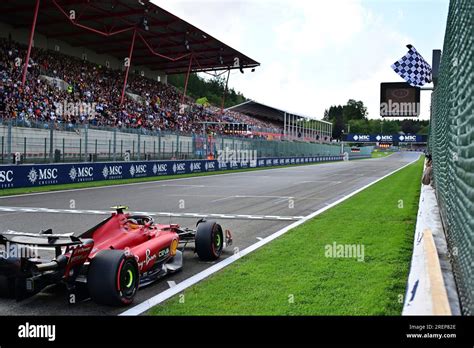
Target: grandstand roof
pixel 107 27
pixel 253 108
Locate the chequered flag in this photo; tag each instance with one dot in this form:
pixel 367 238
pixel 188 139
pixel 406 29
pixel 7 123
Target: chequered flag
pixel 413 68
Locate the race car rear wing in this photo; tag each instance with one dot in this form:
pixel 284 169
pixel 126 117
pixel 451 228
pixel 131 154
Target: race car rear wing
pixel 44 238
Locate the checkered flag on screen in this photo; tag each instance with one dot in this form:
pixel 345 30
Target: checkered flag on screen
pixel 413 68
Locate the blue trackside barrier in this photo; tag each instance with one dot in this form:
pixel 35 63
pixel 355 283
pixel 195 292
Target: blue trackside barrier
pixel 14 176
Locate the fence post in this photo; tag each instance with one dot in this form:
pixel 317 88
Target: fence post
pixel 9 142
pixel 80 149
pixel 51 130
pixel 64 155
pixel 86 140
pixel 138 147
pixel 95 149
pixel 24 149
pixel 177 145
pixel 45 148
pixel 115 144
pixel 159 146
pixel 3 144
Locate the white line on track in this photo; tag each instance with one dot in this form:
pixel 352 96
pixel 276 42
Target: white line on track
pixel 161 213
pixel 165 295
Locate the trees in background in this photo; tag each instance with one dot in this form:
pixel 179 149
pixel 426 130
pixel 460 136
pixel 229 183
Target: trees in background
pixel 212 89
pixel 352 118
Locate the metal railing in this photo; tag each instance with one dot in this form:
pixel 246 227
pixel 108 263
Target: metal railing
pixel 34 142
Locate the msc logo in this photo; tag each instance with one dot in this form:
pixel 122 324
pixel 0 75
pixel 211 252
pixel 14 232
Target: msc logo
pixel 407 137
pixel 179 167
pixel 81 173
pixel 6 176
pixel 160 168
pixel 138 169
pixel 383 138
pixel 42 174
pixel 111 171
pixel 210 166
pixel 195 167
pixel 361 137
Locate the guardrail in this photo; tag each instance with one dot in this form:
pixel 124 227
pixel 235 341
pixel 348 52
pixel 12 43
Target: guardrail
pixel 14 176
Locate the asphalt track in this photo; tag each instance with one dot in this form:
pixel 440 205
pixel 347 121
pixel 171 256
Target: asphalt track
pixel 275 194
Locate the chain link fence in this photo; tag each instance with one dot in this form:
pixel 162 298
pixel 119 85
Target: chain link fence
pixel 451 144
pixel 44 143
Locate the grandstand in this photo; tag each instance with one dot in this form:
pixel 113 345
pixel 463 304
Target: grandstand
pixel 275 123
pixel 75 62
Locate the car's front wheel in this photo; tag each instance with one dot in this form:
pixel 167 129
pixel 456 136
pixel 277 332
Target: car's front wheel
pixel 209 240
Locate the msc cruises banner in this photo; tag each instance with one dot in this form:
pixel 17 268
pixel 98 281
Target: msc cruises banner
pixel 387 138
pixel 12 176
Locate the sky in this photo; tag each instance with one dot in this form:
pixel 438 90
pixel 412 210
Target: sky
pixel 315 54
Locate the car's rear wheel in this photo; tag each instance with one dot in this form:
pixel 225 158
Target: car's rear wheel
pixel 209 240
pixel 113 278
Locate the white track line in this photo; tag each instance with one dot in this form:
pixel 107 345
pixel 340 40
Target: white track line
pixel 163 296
pixel 160 213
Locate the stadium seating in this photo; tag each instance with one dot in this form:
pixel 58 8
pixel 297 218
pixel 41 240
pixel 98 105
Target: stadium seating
pixel 149 105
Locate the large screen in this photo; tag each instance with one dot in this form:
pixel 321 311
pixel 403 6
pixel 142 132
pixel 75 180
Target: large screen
pixel 399 99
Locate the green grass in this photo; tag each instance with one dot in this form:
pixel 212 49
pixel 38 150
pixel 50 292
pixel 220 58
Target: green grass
pixel 379 154
pixel 294 266
pixel 48 188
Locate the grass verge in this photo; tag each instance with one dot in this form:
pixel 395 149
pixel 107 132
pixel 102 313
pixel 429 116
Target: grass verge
pixel 48 188
pixel 293 276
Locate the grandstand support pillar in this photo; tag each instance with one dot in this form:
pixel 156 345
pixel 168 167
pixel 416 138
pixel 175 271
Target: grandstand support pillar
pixel 187 78
pixel 30 43
pixel 128 66
pixel 284 125
pixel 225 91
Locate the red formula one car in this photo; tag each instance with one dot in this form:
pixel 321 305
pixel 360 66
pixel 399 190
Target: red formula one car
pixel 107 263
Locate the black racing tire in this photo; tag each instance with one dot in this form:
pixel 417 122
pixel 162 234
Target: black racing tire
pixel 209 240
pixel 113 278
pixel 7 287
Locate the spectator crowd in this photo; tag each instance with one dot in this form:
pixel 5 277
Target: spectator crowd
pixel 148 104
